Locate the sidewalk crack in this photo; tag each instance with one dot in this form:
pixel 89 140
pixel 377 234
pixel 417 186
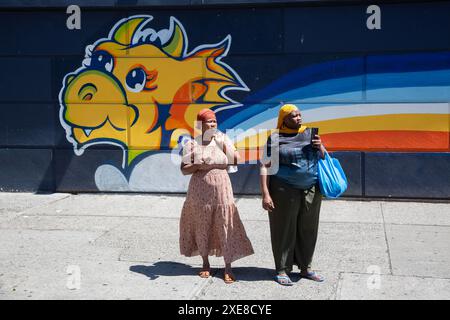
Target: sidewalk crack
pixel 386 239
pixel 338 287
pixel 23 212
pixel 108 231
pixel 203 287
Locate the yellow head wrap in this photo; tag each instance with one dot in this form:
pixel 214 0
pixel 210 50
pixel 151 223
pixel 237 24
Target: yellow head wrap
pixel 284 111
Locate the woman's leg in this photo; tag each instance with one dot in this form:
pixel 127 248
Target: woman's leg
pixel 205 262
pixel 283 224
pixel 307 229
pixel 228 268
pixel 206 271
pixel 228 275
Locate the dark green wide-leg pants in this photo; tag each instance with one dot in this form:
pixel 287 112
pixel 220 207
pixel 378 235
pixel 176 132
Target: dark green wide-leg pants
pixel 293 224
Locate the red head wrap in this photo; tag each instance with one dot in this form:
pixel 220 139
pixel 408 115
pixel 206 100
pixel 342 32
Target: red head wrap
pixel 205 115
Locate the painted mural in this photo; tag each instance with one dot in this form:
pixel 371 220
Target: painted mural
pixel 140 89
pixel 393 103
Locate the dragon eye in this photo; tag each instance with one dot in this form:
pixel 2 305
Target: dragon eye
pixel 136 80
pixel 102 60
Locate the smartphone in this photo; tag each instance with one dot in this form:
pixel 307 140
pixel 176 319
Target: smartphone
pixel 314 132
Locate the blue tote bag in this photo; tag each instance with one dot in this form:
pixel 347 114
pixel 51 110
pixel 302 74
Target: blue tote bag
pixel 332 179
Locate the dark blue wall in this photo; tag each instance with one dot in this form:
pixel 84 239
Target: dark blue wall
pixel 38 50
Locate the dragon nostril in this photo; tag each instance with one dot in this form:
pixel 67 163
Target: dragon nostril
pixel 87 92
pixel 87 97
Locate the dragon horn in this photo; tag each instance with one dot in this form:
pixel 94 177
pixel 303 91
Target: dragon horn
pixel 176 45
pixel 125 31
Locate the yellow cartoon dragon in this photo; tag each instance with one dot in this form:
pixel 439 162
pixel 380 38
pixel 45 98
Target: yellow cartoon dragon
pixel 140 84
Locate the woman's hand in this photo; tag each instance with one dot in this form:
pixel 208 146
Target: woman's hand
pixel 267 203
pixel 220 139
pixel 317 143
pixel 190 168
pixel 207 166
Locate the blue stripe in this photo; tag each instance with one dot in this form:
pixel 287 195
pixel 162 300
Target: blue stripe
pixel 412 78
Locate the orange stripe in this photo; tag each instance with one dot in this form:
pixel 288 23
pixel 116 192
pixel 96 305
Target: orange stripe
pixel 388 141
pixel 398 141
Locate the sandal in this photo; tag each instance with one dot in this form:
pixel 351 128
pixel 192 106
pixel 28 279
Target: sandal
pixel 312 276
pixel 284 280
pixel 228 278
pixel 205 273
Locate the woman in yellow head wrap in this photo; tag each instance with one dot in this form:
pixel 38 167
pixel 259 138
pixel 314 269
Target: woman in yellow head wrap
pixel 291 194
pixel 289 119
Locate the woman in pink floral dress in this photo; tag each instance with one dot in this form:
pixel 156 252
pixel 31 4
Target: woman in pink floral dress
pixel 210 223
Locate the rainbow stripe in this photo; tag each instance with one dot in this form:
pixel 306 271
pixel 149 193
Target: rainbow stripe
pixel 400 104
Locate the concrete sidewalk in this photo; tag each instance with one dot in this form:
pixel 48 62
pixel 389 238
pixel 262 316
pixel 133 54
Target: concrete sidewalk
pixel 125 246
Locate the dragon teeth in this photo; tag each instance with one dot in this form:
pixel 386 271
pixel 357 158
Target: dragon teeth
pixel 87 132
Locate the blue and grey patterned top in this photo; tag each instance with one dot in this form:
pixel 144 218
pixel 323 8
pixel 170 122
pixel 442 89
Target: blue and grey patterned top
pixel 297 159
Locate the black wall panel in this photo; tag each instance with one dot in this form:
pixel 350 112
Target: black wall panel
pixel 27 124
pixel 406 175
pixel 351 164
pixel 325 29
pixel 25 79
pixel 77 173
pixel 26 170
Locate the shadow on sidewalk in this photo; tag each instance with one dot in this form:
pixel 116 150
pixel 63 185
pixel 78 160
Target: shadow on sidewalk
pixel 170 269
pixel 248 273
pixel 164 268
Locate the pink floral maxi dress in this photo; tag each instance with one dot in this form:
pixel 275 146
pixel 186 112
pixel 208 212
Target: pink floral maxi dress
pixel 210 222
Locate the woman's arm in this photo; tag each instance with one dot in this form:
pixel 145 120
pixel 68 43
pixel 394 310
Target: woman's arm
pixel 228 148
pixel 267 202
pixel 232 155
pixel 189 168
pixel 189 164
pixel 236 158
